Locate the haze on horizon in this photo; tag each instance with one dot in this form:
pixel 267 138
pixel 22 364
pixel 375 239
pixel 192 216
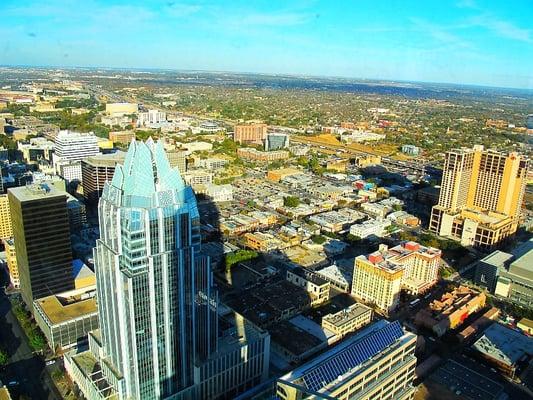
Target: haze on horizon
pixel 467 42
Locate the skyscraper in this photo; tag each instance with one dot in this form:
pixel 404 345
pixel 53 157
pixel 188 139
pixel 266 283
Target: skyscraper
pixel 481 196
pixel 42 240
pixel 159 330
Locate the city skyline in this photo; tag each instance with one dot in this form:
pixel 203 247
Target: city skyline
pixel 463 43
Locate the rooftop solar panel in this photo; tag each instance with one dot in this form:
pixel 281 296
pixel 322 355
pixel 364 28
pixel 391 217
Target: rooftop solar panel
pixel 352 356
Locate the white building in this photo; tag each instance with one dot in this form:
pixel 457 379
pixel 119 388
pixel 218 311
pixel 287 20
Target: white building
pixel 219 193
pixel 197 177
pixel 75 146
pixel 370 227
pixel 151 117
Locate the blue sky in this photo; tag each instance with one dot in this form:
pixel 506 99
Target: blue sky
pixel 466 41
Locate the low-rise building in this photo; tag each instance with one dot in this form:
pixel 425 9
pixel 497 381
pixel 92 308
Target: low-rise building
pixel 348 320
pixel 505 348
pixel 370 228
pixel 316 286
pixel 210 163
pixel 340 278
pixel 197 177
pixel 378 210
pixel 410 149
pixel 67 318
pixel 526 325
pixel 451 310
pixel 378 363
pixel 256 155
pixel 263 242
pixel 122 137
pixel 219 193
pixel 277 175
pixel 336 221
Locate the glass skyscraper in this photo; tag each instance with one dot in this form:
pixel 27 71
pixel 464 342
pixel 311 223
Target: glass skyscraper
pixel 154 288
pixel 159 335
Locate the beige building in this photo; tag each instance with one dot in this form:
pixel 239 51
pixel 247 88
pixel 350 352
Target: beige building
pixel 315 285
pixel 12 266
pixel 6 230
pixel 348 320
pixel 378 363
pixel 118 109
pixel 250 134
pixel 481 196
pixel 123 137
pixel 377 281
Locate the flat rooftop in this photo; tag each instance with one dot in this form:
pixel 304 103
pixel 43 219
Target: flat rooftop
pixel 497 258
pixel 347 315
pixel 36 192
pixel 458 378
pixel 504 344
pixel 323 372
pixel 66 306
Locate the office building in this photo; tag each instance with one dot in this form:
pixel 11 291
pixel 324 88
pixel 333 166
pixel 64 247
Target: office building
pixel 75 146
pixel 276 141
pixel 378 363
pixel 451 310
pixel 348 320
pixel 210 163
pixel 250 133
pixel 488 269
pixel 70 148
pixel 67 318
pixel 256 155
pixel 515 280
pixel 178 159
pixel 122 137
pixel 151 118
pixel 481 196
pixel 373 228
pixel 158 311
pixel 377 281
pixel 42 240
pixel 96 170
pixel 6 231
pixel 119 109
pixel 77 214
pixel 198 177
pixel 11 259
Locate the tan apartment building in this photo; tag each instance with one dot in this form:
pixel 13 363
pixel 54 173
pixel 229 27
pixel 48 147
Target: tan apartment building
pixel 256 155
pixel 122 137
pixel 250 133
pixel 348 320
pixel 481 196
pixel 377 281
pixel 11 259
pixel 6 230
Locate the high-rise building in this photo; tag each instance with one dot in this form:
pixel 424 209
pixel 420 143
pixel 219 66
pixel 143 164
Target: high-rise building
pixel 481 196
pixel 250 134
pixel 160 335
pixel 378 363
pixel 75 146
pixel 178 159
pixel 11 259
pixel 529 121
pixel 97 170
pixel 6 230
pixel 42 240
pixel 70 148
pixel 377 281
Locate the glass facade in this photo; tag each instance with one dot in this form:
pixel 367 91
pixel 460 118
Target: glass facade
pixel 156 303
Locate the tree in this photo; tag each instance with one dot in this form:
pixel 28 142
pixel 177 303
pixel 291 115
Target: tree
pixel 239 256
pixel 318 239
pixel 291 201
pixel 353 238
pixel 4 358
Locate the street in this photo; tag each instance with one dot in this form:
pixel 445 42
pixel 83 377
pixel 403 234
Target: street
pixel 25 368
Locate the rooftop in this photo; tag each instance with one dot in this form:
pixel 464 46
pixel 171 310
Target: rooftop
pixel 328 369
pixel 66 306
pixel 497 258
pixel 348 314
pixel 36 192
pixel 504 344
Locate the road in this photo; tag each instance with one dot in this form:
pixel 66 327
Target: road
pixel 24 367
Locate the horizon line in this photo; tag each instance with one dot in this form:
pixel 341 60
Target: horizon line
pixel 273 74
